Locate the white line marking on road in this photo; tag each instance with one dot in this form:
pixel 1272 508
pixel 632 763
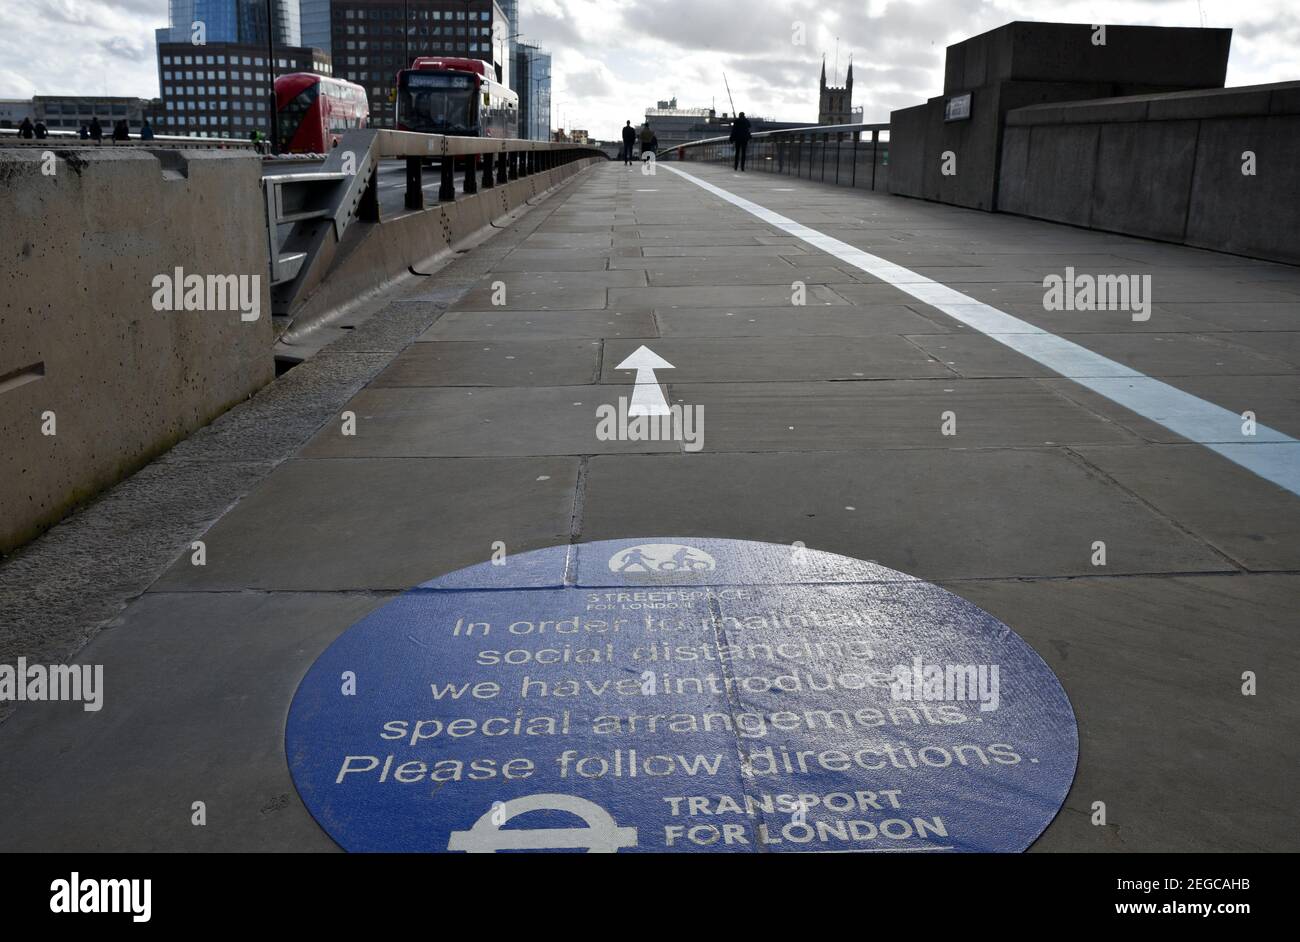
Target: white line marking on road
pixel 1270 454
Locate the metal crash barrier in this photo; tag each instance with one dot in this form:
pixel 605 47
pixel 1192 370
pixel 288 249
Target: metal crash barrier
pixel 854 155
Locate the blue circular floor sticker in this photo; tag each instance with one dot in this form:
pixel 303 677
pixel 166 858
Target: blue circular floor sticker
pixel 698 695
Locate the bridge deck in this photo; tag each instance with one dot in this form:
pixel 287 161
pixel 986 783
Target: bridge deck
pixel 822 424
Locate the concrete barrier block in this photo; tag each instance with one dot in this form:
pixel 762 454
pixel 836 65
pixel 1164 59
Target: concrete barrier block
pixel 90 237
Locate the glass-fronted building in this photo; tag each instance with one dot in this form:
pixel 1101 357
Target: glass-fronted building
pixel 532 70
pixel 315 23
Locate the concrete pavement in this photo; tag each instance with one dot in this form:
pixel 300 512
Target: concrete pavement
pixel 823 424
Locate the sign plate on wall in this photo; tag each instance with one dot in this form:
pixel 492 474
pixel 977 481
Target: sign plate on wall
pixel 957 108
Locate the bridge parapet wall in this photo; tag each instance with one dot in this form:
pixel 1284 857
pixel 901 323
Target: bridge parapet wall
pixel 1215 169
pixel 95 379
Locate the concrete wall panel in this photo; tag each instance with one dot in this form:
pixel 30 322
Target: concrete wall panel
pixel 1254 215
pixel 1060 174
pixel 907 130
pixel 1143 177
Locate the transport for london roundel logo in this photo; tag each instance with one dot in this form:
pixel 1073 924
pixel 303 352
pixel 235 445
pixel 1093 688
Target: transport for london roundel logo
pixel 680 695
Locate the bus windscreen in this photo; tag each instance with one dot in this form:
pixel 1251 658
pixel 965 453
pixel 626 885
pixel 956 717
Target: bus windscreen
pixel 437 103
pixel 292 113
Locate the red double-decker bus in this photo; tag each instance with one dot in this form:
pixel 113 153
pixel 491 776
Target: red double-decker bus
pixel 312 111
pixel 442 95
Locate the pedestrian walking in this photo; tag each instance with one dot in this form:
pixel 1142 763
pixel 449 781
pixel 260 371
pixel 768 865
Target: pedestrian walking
pixel 121 132
pixel 96 130
pixel 629 138
pixel 146 131
pixel 83 132
pixel 645 140
pixel 42 132
pixel 25 129
pixel 740 135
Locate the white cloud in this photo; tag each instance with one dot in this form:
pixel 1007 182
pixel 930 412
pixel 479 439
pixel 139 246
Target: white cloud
pixel 613 58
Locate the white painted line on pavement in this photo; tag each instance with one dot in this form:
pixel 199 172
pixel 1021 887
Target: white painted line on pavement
pixel 1270 454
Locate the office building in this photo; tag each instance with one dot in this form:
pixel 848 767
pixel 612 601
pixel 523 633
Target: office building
pixel 369 42
pixel 314 17
pixel 532 71
pixel 70 112
pixel 13 110
pixel 508 32
pixel 230 21
pixel 223 89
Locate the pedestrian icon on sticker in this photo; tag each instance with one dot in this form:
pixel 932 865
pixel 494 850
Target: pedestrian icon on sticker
pixel 662 557
pixel 602 835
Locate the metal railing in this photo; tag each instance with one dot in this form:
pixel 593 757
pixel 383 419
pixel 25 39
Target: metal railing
pixel 854 155
pixel 307 214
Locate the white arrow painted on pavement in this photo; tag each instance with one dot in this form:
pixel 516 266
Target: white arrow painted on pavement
pixel 647 397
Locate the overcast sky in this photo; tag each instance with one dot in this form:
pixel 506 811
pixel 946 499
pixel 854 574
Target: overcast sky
pixel 615 58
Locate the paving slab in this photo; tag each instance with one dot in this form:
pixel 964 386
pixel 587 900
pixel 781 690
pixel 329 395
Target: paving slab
pixel 850 416
pixel 552 279
pixel 758 360
pixel 779 295
pixel 1153 667
pixel 195 691
pixel 485 296
pixel 906 509
pixel 333 525
pixel 541 325
pixel 424 422
pixel 507 363
pixel 745 276
pixel 1251 521
pixel 865 320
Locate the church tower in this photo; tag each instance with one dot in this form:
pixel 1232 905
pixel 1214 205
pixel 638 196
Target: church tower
pixel 835 105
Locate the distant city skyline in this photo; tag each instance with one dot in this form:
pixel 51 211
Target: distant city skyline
pixel 611 59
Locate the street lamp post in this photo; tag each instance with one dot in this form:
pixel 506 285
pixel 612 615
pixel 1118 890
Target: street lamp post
pixel 270 76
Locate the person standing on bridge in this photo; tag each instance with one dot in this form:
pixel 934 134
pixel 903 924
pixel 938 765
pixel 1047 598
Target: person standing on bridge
pixel 42 132
pixel 629 139
pixel 96 130
pixel 146 131
pixel 740 135
pixel 25 129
